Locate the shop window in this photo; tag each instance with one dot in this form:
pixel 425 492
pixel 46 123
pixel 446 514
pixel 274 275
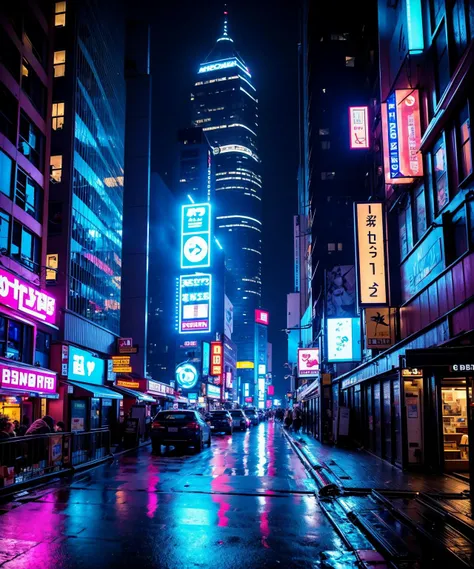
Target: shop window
pixel 464 142
pixel 32 85
pixel 59 61
pixel 16 340
pixel 5 222
pixel 441 62
pixel 42 349
pixel 25 247
pixel 455 428
pixel 6 168
pixel 107 413
pixel 405 229
pixel 56 165
pixel 458 31
pixel 30 142
pixel 456 236
pixel 60 14
pixel 440 174
pixel 95 413
pixel 350 61
pixel 419 214
pixel 28 195
pixel 58 116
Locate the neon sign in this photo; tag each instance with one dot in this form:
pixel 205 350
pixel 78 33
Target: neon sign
pixel 195 298
pixel 27 379
pixel 223 64
pixel 344 340
pixel 359 127
pixel 186 376
pixel 195 236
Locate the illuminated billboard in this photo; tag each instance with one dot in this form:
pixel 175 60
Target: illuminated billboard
pixel 194 303
pixel 402 137
pixel 344 339
pixel 370 253
pixel 262 317
pixel 308 362
pixel 186 375
pixel 380 328
pixel 195 236
pixel 217 359
pixel 359 127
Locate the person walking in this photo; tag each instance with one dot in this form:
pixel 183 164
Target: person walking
pixel 288 419
pixel 297 419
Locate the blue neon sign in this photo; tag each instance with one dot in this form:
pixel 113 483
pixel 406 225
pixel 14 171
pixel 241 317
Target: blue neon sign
pixel 186 376
pixel 195 236
pixel 415 27
pixel 393 143
pixel 195 303
pixel 223 64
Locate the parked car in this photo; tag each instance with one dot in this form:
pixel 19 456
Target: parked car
pixel 239 419
pixel 181 427
pixel 253 416
pixel 220 422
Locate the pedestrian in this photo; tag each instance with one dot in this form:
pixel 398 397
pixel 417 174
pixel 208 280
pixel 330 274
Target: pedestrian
pixel 25 423
pixel 11 430
pixel 288 419
pixel 41 426
pixel 60 427
pixel 16 427
pixel 297 419
pixel 4 435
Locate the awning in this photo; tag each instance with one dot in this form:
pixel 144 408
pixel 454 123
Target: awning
pixel 135 394
pixel 95 390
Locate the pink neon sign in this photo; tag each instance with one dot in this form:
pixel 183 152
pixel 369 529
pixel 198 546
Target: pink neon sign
pixel 27 379
pixel 21 296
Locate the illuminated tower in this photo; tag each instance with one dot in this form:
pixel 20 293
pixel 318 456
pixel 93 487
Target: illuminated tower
pixel 225 106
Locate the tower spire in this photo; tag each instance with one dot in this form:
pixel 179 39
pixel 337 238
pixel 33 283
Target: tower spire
pixel 225 32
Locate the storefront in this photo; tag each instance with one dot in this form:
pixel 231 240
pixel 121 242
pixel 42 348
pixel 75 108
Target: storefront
pixel 85 402
pixel 213 393
pixel 162 392
pixel 134 393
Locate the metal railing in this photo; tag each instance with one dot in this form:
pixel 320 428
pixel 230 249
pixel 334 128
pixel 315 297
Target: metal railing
pixel 23 459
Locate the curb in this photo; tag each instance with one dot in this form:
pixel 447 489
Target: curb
pixel 326 481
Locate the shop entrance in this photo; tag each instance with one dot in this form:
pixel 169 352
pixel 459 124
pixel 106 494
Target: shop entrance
pixel 454 398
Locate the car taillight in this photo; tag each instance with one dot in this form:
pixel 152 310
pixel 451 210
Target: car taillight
pixel 193 425
pixel 230 421
pixel 156 425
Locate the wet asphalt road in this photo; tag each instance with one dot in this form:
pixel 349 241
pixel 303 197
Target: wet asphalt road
pixel 246 502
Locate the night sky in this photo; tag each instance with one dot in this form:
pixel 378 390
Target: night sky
pixel 266 35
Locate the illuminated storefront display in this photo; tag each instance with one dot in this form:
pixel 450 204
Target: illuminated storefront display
pixel 379 328
pixel 370 254
pixel 213 391
pixel 308 362
pixel 359 127
pixel 83 366
pixel 195 303
pixel 344 339
pixel 195 236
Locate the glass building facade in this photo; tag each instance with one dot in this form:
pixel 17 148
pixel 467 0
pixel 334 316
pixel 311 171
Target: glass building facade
pixel 225 105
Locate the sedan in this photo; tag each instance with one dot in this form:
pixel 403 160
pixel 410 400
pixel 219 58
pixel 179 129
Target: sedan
pixel 179 427
pixel 253 416
pixel 220 422
pixel 239 419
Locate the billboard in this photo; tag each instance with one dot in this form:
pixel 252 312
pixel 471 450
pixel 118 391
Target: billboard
pixel 262 317
pixel 359 127
pixel 195 236
pixel 195 303
pixel 402 137
pixel 228 317
pixel 344 340
pixel 217 359
pixel 379 328
pixel 341 291
pixel 27 379
pixel 308 362
pixel 206 358
pixel 85 367
pixel 370 253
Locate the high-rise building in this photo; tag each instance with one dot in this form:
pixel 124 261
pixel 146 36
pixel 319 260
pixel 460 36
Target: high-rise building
pixel 28 313
pixel 86 200
pixel 225 105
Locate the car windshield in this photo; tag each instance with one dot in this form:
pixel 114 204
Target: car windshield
pixel 236 413
pixel 183 416
pixel 219 414
pixel 250 412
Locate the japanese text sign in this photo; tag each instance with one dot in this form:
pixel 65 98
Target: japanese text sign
pixel 31 379
pixel 194 303
pixel 195 236
pixel 83 366
pixel 217 358
pixel 308 362
pixel 370 253
pixel 20 295
pixel 402 137
pixel 121 364
pixel 359 127
pixel 379 328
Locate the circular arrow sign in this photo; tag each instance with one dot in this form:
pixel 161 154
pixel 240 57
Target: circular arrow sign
pixel 195 249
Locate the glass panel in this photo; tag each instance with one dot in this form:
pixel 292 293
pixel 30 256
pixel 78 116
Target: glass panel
pixel 377 420
pixel 6 165
pixel 442 62
pixel 455 427
pixel 4 233
pixel 440 174
pixel 43 342
pixel 95 413
pixel 14 341
pixel 387 419
pixel 420 213
pixel 3 331
pixel 397 423
pixel 465 158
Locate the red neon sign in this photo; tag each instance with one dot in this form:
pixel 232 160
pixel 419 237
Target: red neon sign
pixel 262 317
pixel 216 359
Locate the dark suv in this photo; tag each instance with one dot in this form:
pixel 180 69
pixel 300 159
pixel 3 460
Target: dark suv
pixel 181 427
pixel 220 422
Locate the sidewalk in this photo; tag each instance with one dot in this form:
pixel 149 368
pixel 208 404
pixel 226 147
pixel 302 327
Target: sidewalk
pixel 358 470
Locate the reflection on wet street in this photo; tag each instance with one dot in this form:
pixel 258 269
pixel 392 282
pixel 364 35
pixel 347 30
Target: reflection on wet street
pixel 245 502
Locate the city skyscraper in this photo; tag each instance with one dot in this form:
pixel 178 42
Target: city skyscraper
pixel 225 105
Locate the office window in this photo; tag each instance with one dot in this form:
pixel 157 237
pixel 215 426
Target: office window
pixel 339 246
pixel 60 14
pixel 4 232
pixel 405 230
pixel 459 31
pixel 350 61
pixel 9 54
pixel 6 167
pixel 30 142
pixel 8 114
pixel 58 116
pixel 25 247
pixel 328 175
pixel 325 144
pixel 456 236
pixel 28 195
pixel 323 132
pixel 59 63
pixel 419 213
pixel 32 85
pixel 331 246
pixel 441 62
pixel 56 163
pixel 42 349
pixel 464 142
pixel 440 174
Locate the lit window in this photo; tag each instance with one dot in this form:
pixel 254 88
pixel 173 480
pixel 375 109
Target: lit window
pixel 350 61
pixel 464 136
pixel 331 246
pixel 323 132
pixel 56 163
pixel 60 63
pixel 60 14
pixel 328 175
pixel 339 246
pixel 58 116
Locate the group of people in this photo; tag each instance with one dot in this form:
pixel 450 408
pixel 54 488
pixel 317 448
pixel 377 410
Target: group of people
pixel 293 419
pixel 10 429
